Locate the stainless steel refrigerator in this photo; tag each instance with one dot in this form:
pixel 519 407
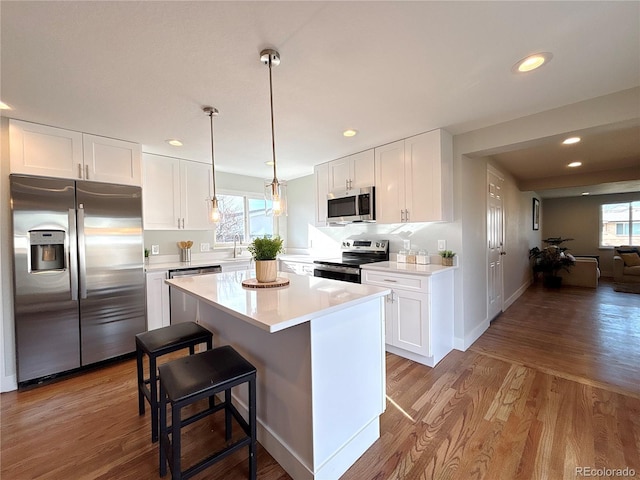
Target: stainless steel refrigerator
pixel 78 273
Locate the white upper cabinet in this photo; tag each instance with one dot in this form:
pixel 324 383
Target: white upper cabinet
pixel 175 193
pixel 390 191
pixel 321 177
pixel 161 192
pixel 53 152
pixel 196 185
pixel 41 150
pixel 112 161
pixel 414 179
pixel 354 171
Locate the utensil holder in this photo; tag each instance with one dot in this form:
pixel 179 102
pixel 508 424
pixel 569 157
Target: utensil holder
pixel 185 254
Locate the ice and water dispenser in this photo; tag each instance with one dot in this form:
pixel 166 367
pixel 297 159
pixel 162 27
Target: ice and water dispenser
pixel 47 250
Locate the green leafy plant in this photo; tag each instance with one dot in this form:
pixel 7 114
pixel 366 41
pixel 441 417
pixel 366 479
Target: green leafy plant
pixel 146 253
pixel 447 254
pixel 552 258
pixel 265 248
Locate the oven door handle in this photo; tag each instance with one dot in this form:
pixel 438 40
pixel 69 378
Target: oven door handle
pixel 335 268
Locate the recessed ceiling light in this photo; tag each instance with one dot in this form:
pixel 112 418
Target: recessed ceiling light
pixel 532 62
pixel 174 142
pixel 574 164
pixel 269 162
pixel 571 140
pixel 4 106
pixel 350 133
pixel 585 193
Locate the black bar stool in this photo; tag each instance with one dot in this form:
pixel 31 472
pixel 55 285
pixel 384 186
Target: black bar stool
pixel 156 343
pixel 190 379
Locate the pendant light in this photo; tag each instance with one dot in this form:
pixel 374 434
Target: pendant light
pixel 275 190
pixel 214 212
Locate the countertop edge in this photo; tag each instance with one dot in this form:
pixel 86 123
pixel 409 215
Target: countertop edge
pixel 408 268
pixel 292 322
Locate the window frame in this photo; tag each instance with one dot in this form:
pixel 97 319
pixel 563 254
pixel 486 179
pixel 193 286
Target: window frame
pixel 246 195
pixel 630 222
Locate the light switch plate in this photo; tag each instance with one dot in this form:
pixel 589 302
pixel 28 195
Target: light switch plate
pixel 204 247
pixel 442 245
pixel 406 244
pixel 155 249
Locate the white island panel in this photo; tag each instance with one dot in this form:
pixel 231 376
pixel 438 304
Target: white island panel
pixel 318 347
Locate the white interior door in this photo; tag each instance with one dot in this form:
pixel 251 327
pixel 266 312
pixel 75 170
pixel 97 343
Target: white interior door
pixel 495 242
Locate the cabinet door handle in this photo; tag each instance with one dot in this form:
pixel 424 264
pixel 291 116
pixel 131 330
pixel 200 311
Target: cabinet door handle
pixel 389 280
pixel 178 222
pixel 86 172
pixel 402 215
pixel 79 170
pixel 406 216
pixel 183 222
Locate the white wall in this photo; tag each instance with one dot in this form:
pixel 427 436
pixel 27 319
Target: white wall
pixel 301 213
pixel 8 381
pixel 579 218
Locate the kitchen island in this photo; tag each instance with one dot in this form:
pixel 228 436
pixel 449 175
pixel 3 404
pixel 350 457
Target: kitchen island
pixel 318 347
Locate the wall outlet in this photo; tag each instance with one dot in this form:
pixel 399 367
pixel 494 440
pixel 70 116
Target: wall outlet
pixel 442 245
pixel 406 244
pixel 205 247
pixel 155 249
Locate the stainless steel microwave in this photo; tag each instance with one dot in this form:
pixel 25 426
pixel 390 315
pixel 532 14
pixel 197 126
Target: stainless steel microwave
pixel 356 205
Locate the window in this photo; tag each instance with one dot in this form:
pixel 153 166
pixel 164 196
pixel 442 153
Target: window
pixel 244 218
pixel 615 219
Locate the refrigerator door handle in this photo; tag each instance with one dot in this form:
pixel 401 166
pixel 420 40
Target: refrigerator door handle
pixel 73 254
pixel 82 257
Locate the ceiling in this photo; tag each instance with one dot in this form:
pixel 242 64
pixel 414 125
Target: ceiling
pixel 141 71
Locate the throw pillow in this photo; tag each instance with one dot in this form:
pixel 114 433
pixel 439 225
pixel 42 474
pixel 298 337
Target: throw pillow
pixel 631 259
pixel 626 249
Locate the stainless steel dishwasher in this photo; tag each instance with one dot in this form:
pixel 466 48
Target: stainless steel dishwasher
pixel 184 308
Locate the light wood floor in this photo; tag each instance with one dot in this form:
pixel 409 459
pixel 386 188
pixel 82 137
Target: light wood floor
pixel 553 385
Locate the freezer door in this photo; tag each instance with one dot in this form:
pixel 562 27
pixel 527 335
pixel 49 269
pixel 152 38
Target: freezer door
pixel 110 258
pixel 45 305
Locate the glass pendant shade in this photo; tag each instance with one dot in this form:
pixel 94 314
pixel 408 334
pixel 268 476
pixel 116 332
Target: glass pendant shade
pixel 214 211
pixel 275 195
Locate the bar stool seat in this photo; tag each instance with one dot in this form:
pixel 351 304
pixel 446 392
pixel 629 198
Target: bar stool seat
pixel 156 343
pixel 189 379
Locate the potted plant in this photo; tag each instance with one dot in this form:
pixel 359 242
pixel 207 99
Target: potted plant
pixel 550 260
pixel 447 257
pixel 264 251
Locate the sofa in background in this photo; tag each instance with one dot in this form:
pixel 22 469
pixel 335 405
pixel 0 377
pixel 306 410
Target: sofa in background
pixel 626 269
pixel 585 273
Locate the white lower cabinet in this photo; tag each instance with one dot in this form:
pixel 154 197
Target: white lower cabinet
pixel 157 291
pixel 419 314
pixel 236 266
pixel 299 268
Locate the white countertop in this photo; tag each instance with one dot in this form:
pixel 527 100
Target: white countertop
pixel 300 258
pixel 410 268
pixel 156 267
pixel 274 309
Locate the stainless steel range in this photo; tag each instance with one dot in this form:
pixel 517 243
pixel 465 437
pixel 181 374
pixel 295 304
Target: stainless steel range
pixel 354 254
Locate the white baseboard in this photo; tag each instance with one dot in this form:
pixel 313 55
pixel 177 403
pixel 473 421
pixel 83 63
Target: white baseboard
pixel 463 343
pixel 510 301
pixel 8 383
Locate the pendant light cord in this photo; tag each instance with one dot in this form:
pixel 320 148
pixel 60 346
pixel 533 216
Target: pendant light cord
pixel 213 163
pixel 273 134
